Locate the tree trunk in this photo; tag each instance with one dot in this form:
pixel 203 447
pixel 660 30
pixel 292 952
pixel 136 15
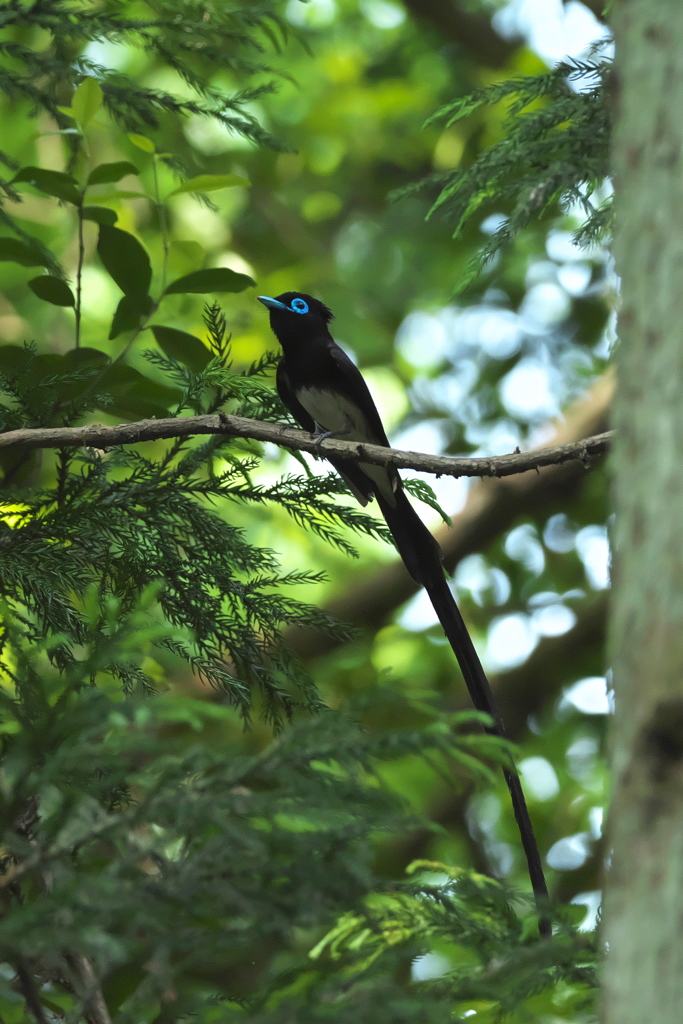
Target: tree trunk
pixel 644 900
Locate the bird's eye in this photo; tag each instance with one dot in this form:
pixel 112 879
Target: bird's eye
pixel 299 306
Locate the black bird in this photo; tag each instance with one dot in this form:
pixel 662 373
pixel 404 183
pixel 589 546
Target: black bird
pixel 327 395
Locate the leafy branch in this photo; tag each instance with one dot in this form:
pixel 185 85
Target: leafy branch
pixel 97 436
pixel 554 150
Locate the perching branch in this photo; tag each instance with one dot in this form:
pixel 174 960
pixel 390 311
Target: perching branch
pixel 492 508
pixel 98 436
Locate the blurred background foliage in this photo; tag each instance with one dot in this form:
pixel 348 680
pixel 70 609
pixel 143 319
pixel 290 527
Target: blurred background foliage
pixel 326 122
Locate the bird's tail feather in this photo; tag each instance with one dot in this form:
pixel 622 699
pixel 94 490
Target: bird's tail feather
pixel 422 558
pixel 419 550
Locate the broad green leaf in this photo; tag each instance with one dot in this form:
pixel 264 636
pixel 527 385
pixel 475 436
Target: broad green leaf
pixel 53 290
pixel 53 183
pixel 142 142
pixel 125 259
pixel 100 214
pixel 130 310
pixel 216 279
pixel 186 348
pixel 121 982
pixel 66 110
pixel 105 173
pixel 14 359
pixel 77 358
pixel 87 100
pixel 210 183
pixel 107 197
pixel 13 250
pixel 136 396
pixel 186 255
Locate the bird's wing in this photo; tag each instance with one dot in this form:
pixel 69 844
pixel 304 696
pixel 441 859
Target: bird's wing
pixel 288 396
pixel 347 372
pixel 353 476
pixel 384 481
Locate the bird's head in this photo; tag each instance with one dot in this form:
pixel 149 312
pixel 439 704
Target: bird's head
pixel 294 315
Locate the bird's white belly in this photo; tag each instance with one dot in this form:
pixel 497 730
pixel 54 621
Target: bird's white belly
pixel 332 411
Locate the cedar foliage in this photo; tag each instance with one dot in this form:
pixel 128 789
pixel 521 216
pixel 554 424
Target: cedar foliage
pixel 554 150
pixel 151 870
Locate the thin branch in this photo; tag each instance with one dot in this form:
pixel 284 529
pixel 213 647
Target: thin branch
pixel 88 990
pixel 492 508
pixel 97 436
pixel 79 275
pixel 473 32
pixel 29 990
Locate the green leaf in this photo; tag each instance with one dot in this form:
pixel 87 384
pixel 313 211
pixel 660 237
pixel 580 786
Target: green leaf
pixel 120 984
pixel 100 214
pixel 87 100
pixel 53 183
pixel 423 492
pixel 125 259
pixel 13 359
pixel 12 250
pixel 80 359
pixel 217 279
pixel 184 347
pixel 107 197
pixel 186 256
pixel 210 183
pixel 136 396
pixel 48 366
pixel 53 290
pixel 130 310
pixel 105 173
pixel 142 142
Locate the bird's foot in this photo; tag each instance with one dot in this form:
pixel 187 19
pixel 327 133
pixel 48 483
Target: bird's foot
pixel 322 437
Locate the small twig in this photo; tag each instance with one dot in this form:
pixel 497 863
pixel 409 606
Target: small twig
pixel 142 326
pixel 29 990
pixel 79 274
pixel 163 222
pixel 88 990
pixel 98 436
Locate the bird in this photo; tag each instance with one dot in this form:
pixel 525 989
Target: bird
pixel 328 396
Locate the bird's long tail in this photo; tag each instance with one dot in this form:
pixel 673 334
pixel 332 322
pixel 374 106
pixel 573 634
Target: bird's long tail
pixel 422 558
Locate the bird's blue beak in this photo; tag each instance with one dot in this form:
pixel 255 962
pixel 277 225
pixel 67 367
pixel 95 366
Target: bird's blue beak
pixel 271 303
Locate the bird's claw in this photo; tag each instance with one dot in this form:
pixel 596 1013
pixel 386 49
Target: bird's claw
pixel 320 438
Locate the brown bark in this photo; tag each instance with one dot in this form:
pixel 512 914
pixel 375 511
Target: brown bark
pixel 94 435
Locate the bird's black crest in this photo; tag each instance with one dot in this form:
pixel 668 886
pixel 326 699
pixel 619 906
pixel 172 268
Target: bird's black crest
pixel 314 304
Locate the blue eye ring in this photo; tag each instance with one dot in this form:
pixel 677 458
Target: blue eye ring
pixel 299 306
